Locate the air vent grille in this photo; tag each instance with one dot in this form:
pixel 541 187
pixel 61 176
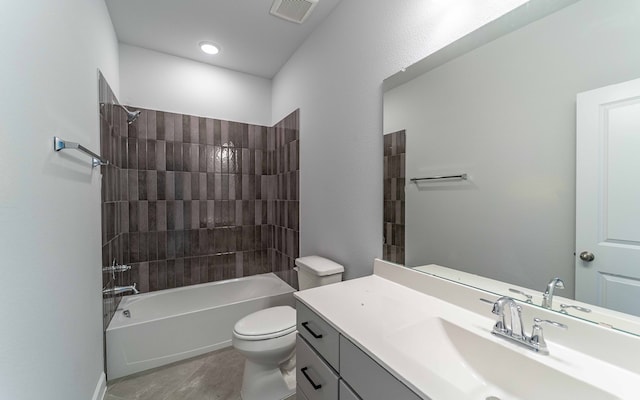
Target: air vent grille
pixel 293 10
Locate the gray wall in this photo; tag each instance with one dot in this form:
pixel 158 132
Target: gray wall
pixel 505 113
pixel 335 78
pixel 51 336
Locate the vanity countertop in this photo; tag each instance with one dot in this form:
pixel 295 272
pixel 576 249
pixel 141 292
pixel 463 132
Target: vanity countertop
pixel 390 322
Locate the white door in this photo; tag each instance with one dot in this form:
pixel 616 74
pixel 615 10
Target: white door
pixel 608 197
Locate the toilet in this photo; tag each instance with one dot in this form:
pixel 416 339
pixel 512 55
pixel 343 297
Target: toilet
pixel 267 338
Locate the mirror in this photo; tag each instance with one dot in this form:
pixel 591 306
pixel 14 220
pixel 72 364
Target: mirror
pixel 499 106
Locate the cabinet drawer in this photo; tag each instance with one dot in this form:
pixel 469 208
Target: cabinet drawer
pixel 319 334
pixel 346 393
pixel 300 394
pixel 313 376
pixel 367 378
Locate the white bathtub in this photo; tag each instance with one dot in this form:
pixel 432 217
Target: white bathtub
pixel 175 324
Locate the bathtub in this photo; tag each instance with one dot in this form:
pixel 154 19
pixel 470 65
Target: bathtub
pixel 174 324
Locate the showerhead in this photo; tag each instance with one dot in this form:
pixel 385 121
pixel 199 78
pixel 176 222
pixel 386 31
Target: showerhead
pixel 131 115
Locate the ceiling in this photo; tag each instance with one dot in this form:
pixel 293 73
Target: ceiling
pixel 251 40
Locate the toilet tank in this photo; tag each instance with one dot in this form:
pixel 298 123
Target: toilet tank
pixel 316 271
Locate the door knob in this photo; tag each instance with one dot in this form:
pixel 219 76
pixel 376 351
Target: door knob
pixel 587 256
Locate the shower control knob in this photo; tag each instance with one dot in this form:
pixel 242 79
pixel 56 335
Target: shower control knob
pixel 587 256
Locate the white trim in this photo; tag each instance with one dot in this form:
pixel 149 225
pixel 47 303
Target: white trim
pixel 101 387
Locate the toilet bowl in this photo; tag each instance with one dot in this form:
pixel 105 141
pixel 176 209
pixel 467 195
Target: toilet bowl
pixel 267 338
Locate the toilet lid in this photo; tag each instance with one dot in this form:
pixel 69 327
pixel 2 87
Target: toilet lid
pixel 266 324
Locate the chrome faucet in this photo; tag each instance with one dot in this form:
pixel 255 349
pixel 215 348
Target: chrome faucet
pixel 514 327
pixel 120 289
pixel 514 331
pixel 547 296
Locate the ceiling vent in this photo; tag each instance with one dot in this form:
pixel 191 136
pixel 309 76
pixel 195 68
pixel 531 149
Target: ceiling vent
pixel 293 10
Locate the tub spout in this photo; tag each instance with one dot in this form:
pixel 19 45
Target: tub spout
pixel 120 289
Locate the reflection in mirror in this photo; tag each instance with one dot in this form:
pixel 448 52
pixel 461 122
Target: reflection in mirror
pixel 504 113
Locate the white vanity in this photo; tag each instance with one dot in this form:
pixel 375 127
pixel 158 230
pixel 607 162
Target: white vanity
pixel 402 334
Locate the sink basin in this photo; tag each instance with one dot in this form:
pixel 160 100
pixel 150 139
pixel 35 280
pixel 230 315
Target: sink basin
pixel 472 364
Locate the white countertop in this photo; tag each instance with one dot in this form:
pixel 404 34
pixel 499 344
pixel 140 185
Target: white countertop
pixel 370 311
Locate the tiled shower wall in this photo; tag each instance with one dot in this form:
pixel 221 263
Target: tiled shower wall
pixel 283 215
pixel 195 199
pixel 394 204
pixel 113 126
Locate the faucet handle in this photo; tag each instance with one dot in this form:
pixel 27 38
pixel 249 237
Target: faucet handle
pixel 527 296
pixel 537 334
pixel 565 306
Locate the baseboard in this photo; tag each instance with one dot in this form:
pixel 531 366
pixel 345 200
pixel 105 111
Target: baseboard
pixel 101 388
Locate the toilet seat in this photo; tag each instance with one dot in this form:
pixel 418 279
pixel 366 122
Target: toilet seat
pixel 266 324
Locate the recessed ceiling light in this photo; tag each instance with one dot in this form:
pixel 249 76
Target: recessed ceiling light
pixel 209 48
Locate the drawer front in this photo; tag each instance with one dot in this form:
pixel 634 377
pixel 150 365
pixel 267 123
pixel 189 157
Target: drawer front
pixel 313 376
pixel 367 378
pixel 300 394
pixel 319 334
pixel 346 393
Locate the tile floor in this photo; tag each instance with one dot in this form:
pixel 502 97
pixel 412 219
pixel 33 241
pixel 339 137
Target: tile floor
pixel 213 376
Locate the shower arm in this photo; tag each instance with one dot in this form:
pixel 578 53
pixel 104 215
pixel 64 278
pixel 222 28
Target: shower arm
pixel 61 144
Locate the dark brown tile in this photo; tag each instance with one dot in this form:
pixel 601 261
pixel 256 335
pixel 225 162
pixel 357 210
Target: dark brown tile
pixel 152 185
pixel 153 276
pixel 144 246
pixel 194 243
pixel 180 243
pixel 153 245
pixel 224 190
pixel 134 247
pixel 194 186
pixel 203 246
pixel 133 216
pixel 195 214
pixel 186 157
pixel 162 275
pixel 210 158
pixel 161 185
pixel 171 244
pixel 162 245
pixel 186 185
pixel 179 186
pixel 143 216
pixel 132 153
pixel 210 214
pixel 178 157
pixel 209 131
pixel 202 130
pixel 224 133
pixel 160 124
pixel 143 276
pixel 142 154
pixel 202 158
pixel 194 126
pixel 187 272
pixel 169 156
pixel 171 273
pixel 217 132
pixel 142 185
pixel 170 186
pixel 152 216
pixel 211 187
pixel 203 214
pixel 179 272
pixel 169 124
pixel 202 184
